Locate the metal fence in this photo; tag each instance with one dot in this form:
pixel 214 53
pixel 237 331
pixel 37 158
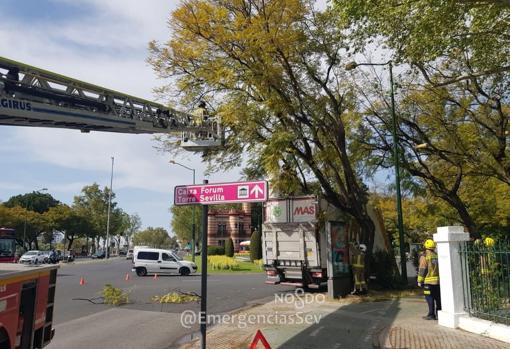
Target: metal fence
pixel 486 280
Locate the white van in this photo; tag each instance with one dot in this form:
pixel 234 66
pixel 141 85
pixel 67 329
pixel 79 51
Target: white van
pixel 157 261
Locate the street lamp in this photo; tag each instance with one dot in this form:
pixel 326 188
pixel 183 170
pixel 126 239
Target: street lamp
pixel 26 208
pixel 403 259
pixel 192 214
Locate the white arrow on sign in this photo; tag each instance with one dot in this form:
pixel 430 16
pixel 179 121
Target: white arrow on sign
pixel 256 190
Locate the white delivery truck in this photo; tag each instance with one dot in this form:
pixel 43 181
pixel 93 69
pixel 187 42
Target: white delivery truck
pixel 300 235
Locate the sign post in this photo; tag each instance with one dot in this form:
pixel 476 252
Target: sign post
pixel 203 293
pixel 212 194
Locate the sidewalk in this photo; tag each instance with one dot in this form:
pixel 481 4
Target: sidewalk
pixel 349 323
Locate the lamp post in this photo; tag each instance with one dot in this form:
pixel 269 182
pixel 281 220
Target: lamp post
pixel 192 212
pixel 400 221
pixel 107 255
pixel 26 208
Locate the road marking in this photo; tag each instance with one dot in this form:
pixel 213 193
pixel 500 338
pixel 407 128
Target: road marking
pixel 315 332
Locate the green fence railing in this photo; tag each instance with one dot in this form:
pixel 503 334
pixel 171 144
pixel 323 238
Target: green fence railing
pixel 486 280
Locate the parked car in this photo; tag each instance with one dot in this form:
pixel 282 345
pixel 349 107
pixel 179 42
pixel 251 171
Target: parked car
pixel 99 255
pixel 158 261
pixel 32 257
pixel 122 253
pixel 46 255
pixel 129 254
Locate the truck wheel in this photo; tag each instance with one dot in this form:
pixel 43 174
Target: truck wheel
pixel 141 271
pixel 184 271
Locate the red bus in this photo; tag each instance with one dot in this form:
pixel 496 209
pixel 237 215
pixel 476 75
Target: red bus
pixel 7 245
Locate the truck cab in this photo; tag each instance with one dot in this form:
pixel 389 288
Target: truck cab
pixel 27 297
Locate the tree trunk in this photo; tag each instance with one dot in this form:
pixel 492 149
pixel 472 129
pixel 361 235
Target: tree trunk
pixel 464 215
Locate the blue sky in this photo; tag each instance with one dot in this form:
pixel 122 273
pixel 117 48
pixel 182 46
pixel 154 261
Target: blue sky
pixel 105 43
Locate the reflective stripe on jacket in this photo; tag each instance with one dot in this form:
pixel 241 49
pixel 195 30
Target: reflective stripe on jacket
pixel 358 260
pixel 428 272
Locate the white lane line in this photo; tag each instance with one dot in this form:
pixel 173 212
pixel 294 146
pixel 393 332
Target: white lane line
pixel 315 332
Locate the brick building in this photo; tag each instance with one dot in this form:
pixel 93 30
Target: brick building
pixel 224 224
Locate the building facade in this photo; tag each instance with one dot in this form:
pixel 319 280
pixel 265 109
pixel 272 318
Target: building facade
pixel 224 224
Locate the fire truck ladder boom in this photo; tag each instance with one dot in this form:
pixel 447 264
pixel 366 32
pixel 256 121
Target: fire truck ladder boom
pixel 31 96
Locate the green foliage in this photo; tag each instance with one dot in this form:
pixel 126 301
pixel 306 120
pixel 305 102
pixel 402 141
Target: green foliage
pixel 256 245
pixel 229 248
pixel 274 75
pixel 182 222
pixel 69 221
pixel 424 30
pixel 385 270
pixel 35 201
pixel 114 295
pixel 154 237
pixel 93 203
pixel 215 250
pixel 222 263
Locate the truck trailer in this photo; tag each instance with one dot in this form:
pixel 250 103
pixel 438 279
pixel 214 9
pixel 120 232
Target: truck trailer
pixel 300 235
pixel 27 295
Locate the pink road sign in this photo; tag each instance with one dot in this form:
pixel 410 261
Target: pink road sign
pixel 221 193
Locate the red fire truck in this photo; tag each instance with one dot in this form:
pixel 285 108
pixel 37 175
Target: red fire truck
pixel 7 246
pixel 27 295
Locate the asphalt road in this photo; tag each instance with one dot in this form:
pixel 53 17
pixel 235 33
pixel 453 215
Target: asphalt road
pixel 77 320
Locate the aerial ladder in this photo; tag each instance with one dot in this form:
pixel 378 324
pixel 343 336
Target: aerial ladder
pixel 31 96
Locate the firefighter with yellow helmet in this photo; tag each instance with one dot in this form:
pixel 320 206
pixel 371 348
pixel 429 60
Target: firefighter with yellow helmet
pixel 428 278
pixel 358 268
pixel 487 256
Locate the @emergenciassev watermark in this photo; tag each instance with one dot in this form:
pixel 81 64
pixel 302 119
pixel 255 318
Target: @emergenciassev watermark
pixel 242 320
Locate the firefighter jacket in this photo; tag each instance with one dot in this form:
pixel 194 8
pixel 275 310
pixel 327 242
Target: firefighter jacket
pixel 428 270
pixel 357 259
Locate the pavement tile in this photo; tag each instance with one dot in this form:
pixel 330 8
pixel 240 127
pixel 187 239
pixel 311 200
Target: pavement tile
pixel 347 324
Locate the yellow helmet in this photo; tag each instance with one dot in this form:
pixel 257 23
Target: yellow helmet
pixel 429 244
pixel 488 242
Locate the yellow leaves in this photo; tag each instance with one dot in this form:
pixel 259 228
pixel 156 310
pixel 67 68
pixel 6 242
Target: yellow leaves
pixel 175 297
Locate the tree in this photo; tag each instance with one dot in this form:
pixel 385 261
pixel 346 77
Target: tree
pixel 93 203
pixel 133 225
pixel 458 52
pixel 154 237
pixel 182 222
pixel 35 201
pixel 27 216
pixel 24 222
pixel 69 221
pixel 421 31
pixel 273 71
pixel 256 245
pixel 229 248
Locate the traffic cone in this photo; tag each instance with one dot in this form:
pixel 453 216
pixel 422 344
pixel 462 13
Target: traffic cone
pixel 82 281
pixel 155 276
pixel 127 277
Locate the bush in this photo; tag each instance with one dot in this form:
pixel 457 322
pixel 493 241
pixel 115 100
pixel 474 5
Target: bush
pixel 384 268
pixel 229 248
pixel 215 250
pixel 256 245
pixel 222 263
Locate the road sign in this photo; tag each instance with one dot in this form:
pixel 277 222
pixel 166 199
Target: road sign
pixel 259 337
pixel 221 193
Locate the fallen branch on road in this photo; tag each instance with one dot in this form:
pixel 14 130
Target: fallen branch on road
pixel 91 300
